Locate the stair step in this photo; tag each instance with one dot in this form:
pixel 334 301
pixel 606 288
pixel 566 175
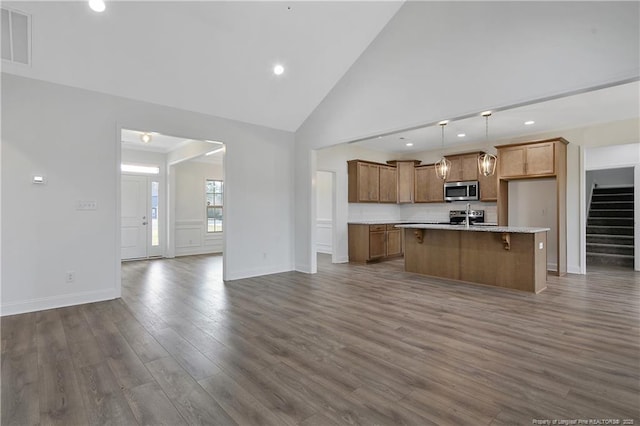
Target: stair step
pixel 614 190
pixel 612 205
pixel 610 213
pixel 609 249
pixel 609 230
pixel 612 197
pixel 625 240
pixel 610 221
pixel 609 259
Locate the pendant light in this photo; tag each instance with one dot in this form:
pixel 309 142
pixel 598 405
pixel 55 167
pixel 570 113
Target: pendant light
pixel 145 137
pixel 487 162
pixel 443 166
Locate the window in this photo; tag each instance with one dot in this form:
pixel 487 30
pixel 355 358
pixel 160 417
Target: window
pixel 214 205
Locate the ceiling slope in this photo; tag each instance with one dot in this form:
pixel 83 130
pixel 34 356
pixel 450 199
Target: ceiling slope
pixel 211 57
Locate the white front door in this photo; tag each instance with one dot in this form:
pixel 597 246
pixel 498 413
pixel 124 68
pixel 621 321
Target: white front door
pixel 135 217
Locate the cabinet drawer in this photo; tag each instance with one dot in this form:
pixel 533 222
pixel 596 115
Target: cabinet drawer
pixel 375 228
pixel 391 227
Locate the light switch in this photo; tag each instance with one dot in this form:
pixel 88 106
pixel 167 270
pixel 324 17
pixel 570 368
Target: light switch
pixel 541 246
pixel 87 205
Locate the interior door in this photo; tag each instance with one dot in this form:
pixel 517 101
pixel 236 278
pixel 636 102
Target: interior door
pixel 134 217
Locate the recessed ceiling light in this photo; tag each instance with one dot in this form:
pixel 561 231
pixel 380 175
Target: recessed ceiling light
pixel 278 69
pixel 145 137
pixel 97 5
pixel 409 144
pixel 529 123
pixel 461 135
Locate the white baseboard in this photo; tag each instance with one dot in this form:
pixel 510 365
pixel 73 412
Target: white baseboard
pixel 197 250
pixel 324 249
pixel 344 259
pixel 552 267
pixel 52 302
pixel 574 269
pixel 256 272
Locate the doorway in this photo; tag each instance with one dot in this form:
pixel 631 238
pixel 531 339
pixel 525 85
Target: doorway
pixel 140 217
pixel 325 217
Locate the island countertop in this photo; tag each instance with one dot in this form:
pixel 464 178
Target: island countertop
pixel 476 228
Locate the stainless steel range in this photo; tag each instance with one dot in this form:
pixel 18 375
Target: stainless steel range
pixel 458 217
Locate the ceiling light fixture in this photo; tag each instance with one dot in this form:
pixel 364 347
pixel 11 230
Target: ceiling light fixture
pixel 409 144
pixel 97 5
pixel 487 162
pixel 278 69
pixel 461 135
pixel 145 137
pixel 443 166
pixel 529 123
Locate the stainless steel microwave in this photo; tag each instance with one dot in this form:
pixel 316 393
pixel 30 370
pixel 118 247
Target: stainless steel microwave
pixel 461 191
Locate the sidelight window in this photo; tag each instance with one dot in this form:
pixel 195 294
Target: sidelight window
pixel 214 195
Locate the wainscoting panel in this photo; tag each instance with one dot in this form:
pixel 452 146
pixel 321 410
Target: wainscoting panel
pixel 192 238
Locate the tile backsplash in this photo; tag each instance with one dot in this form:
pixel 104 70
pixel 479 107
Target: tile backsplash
pixel 438 212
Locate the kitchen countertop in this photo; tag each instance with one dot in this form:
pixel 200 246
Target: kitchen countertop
pixel 394 222
pixel 476 228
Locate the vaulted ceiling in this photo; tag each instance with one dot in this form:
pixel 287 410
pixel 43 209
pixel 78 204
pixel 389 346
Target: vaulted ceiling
pixel 217 57
pixel 213 57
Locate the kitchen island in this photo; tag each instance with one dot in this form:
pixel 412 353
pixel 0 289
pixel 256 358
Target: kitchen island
pixel 501 256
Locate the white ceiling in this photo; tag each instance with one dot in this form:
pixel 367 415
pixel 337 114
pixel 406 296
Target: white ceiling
pixel 164 144
pixel 599 106
pixel 213 57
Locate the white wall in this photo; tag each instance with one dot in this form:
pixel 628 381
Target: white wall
pixel 191 236
pixel 394 84
pixel 72 136
pixel 324 212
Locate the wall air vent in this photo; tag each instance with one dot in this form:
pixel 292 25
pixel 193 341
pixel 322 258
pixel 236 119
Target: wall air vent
pixel 16 36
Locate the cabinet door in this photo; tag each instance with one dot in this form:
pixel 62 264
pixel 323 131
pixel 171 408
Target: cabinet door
pixel 428 188
pixel 488 187
pixel 388 184
pixel 394 242
pixel 405 181
pixel 540 159
pixel 368 182
pixel 511 161
pixel 469 167
pixel 455 174
pixel 377 244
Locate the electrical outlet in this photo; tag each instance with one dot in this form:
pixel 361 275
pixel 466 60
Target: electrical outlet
pixel 87 205
pixel 71 276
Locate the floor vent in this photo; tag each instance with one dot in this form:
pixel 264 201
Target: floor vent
pixel 16 36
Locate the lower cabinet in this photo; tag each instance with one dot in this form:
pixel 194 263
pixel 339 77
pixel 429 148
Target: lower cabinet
pixel 374 242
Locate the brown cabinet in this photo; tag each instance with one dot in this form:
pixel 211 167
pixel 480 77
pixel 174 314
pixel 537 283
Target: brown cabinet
pixel 388 184
pixel 463 167
pixel 406 179
pixel 428 187
pixel 488 187
pixel 527 160
pixel 531 160
pixel 374 242
pixel 371 182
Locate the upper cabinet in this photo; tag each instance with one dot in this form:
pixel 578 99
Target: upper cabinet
pixel 488 187
pixel 371 182
pixel 429 188
pixel 463 167
pixel 536 159
pixel 406 179
pixel 388 184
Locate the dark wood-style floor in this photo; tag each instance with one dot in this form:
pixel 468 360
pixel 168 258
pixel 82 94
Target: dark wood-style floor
pixel 368 345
